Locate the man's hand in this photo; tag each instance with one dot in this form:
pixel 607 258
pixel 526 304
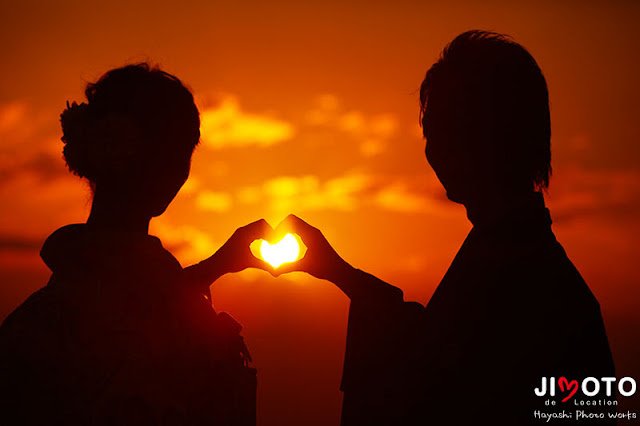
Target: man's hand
pixel 320 260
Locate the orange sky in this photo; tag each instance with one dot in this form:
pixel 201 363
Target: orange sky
pixel 311 108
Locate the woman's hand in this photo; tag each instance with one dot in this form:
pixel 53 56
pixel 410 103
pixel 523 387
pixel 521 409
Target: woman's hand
pixel 233 256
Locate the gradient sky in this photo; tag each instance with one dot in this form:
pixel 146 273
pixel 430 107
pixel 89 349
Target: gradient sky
pixel 311 108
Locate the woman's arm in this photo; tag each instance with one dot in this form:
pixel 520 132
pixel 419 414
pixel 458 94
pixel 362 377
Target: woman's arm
pixel 233 256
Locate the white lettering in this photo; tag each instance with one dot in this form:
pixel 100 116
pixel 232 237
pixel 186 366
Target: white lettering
pixel 621 386
pixel 543 388
pixel 596 387
pixel 608 381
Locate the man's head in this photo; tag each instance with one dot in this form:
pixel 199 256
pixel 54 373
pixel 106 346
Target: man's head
pixel 485 115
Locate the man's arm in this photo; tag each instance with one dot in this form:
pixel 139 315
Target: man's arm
pixel 383 335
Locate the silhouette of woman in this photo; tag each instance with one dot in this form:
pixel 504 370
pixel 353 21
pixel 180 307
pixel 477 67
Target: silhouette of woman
pixel 122 334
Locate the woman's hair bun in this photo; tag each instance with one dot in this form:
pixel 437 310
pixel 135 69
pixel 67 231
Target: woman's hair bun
pixel 133 114
pixel 97 146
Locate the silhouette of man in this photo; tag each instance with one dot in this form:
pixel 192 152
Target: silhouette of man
pixel 512 309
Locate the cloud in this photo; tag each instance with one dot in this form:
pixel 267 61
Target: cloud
pixel 305 193
pixel 27 146
pixel 226 125
pixel 348 192
pixel 325 110
pixel 372 147
pixel 352 122
pixel 370 131
pixel 19 243
pixel 213 201
pixel 382 126
pixel 41 165
pixel 575 192
pixel 398 197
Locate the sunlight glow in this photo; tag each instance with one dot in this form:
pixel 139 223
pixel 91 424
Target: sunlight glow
pixel 286 250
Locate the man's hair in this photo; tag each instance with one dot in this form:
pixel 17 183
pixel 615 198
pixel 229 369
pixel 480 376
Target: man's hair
pixel 490 92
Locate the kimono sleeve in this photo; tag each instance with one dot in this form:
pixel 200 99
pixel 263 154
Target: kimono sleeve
pixel 381 356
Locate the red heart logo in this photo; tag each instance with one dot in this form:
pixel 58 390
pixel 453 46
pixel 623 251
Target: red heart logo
pixel 563 382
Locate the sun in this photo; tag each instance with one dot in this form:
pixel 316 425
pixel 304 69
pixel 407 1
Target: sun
pixel 285 250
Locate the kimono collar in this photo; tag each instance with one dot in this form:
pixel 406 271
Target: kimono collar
pixel 82 247
pixel 529 210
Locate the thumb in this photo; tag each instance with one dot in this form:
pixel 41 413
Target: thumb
pixel 285 268
pixel 255 262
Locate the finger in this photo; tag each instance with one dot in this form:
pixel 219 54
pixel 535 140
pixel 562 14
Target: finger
pixel 296 223
pixel 293 223
pixel 285 268
pixel 260 229
pixel 295 266
pixel 254 262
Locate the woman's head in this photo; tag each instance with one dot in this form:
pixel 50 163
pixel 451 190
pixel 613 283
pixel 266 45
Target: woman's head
pixel 135 134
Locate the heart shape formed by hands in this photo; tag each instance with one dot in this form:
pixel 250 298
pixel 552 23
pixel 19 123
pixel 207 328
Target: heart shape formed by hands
pixel 563 383
pixel 285 250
